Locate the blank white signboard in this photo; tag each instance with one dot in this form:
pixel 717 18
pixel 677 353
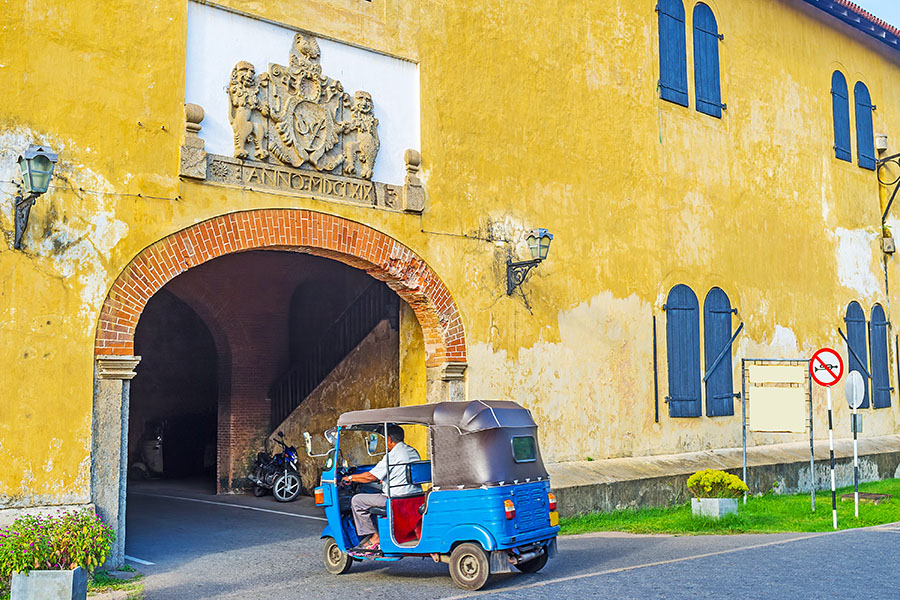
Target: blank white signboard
pixel 778 409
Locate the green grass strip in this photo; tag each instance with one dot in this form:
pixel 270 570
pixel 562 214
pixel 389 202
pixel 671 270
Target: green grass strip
pixel 771 513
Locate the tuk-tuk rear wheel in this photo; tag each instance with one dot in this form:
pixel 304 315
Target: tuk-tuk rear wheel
pixel 469 566
pixel 336 561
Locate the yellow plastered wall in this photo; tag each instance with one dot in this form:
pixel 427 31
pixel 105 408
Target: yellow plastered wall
pixel 533 115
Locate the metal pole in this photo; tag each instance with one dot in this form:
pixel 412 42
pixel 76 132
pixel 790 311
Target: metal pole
pixel 655 375
pixel 855 466
pixel 812 450
pixel 744 420
pixel 831 448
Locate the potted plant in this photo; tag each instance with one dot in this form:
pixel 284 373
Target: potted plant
pixel 49 558
pixel 715 493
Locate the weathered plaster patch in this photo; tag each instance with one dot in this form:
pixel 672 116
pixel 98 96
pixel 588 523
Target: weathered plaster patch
pixel 587 373
pixel 77 236
pixel 855 260
pixel 784 342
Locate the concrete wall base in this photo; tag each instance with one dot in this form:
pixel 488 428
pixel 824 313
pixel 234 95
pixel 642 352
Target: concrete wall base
pixel 617 484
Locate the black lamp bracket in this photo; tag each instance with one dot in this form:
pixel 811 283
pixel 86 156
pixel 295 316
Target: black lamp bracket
pixel 895 158
pixel 24 202
pixel 517 271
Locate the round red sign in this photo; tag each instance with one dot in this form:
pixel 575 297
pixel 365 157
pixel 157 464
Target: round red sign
pixel 826 367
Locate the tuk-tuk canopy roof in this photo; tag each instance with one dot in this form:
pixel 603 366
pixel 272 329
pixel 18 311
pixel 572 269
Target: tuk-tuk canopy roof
pixel 467 417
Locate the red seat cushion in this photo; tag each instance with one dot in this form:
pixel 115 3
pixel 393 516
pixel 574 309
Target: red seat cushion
pixel 406 519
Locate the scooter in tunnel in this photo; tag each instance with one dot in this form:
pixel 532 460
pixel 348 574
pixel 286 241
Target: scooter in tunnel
pixel 277 473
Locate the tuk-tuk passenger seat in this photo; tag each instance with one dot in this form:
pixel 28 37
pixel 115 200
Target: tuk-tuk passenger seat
pixel 407 511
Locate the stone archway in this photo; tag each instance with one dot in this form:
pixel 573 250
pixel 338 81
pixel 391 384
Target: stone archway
pixel 297 230
pixel 357 245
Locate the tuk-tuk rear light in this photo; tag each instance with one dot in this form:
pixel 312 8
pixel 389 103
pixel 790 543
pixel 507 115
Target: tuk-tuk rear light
pixel 510 509
pixel 551 497
pixel 320 495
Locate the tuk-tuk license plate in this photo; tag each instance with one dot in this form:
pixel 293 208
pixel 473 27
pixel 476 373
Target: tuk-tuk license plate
pixel 554 518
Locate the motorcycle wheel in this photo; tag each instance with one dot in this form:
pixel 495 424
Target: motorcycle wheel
pixel 259 490
pixel 336 561
pixel 286 487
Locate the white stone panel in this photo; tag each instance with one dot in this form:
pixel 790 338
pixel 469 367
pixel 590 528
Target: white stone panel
pixel 218 39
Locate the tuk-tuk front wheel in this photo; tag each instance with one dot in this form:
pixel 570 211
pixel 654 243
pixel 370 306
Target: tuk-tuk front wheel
pixel 336 561
pixel 469 566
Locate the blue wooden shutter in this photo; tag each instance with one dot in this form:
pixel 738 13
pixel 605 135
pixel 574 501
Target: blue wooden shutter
pixel 865 136
pixel 706 62
pixel 683 348
pixel 672 52
pixel 716 337
pixel 840 108
pixel 856 334
pixel 881 383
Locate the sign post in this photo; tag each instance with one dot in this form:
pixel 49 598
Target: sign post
pixel 855 390
pixel 826 368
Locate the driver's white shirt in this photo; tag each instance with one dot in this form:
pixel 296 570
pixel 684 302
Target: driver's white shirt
pixel 401 455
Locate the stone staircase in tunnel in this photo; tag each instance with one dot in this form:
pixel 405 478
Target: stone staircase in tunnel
pixel 373 305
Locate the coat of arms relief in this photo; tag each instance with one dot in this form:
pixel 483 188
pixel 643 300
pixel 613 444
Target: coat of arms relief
pixel 297 116
pixel 296 130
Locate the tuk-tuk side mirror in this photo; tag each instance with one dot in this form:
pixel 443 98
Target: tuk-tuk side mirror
pixel 331 435
pixel 372 445
pixel 307 441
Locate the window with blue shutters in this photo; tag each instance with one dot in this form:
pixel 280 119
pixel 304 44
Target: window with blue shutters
pixel 717 342
pixel 672 52
pixel 840 108
pixel 706 62
pixel 881 383
pixel 865 136
pixel 683 349
pixel 857 354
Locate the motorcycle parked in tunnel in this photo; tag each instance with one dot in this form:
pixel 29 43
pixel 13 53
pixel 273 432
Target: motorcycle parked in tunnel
pixel 277 473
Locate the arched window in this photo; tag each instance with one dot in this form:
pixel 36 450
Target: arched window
pixel 706 62
pixel 881 382
pixel 716 338
pixel 856 334
pixel 672 52
pixel 865 136
pixel 683 349
pixel 840 109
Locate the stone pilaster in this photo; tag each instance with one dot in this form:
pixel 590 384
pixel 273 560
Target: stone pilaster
pixel 109 445
pixel 446 382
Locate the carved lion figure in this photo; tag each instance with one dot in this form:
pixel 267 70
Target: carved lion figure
pixel 359 154
pixel 243 94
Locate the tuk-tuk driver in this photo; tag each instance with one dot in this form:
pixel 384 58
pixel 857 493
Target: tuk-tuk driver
pixel 400 454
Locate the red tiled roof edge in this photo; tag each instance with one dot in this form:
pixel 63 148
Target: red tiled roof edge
pixel 868 16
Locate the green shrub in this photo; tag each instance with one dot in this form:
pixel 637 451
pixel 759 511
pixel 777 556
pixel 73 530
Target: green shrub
pixel 62 541
pixel 715 484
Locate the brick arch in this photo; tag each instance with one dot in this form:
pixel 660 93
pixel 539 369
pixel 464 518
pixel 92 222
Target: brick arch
pixel 357 245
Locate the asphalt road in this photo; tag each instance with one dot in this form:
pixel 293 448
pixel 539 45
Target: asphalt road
pixel 206 546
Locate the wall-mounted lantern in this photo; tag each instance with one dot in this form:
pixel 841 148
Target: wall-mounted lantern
pixel 37 164
pixel 539 245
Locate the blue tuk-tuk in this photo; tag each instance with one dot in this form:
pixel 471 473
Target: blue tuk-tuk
pixel 485 505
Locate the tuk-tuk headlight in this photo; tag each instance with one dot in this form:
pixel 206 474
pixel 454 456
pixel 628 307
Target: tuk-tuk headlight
pixel 551 497
pixel 510 509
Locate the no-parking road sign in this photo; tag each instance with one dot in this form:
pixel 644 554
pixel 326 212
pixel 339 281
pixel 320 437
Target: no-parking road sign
pixel 826 367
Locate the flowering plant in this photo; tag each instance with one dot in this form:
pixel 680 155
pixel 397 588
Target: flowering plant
pixel 709 483
pixel 64 541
